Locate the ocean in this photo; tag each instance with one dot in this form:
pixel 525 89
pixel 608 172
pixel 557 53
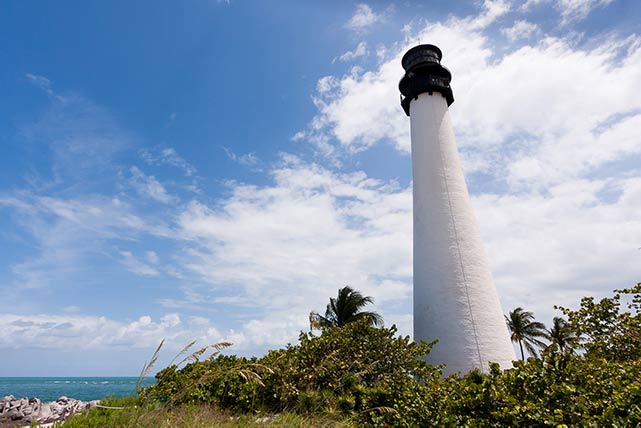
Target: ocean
pixel 81 388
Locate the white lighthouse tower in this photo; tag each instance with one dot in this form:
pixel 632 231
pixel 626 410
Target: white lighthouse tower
pixel 455 300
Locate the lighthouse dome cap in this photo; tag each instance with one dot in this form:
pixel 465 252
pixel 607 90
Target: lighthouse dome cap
pixel 421 55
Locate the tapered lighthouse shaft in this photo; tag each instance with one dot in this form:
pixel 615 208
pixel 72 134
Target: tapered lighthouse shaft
pixel 455 300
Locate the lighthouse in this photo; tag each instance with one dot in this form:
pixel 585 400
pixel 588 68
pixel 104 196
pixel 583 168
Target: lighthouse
pixel 455 300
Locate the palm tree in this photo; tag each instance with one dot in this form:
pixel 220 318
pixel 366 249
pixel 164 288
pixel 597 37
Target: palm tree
pixel 343 309
pixel 525 330
pixel 562 335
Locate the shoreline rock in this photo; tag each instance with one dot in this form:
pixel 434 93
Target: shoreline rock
pixel 23 411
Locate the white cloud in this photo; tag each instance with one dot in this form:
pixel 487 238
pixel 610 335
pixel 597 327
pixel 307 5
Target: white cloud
pixel 358 110
pixel 136 265
pixel 280 250
pixel 248 159
pixel 576 10
pixel 362 108
pixel 492 10
pixel 82 332
pixel 555 248
pixel 550 95
pixel 167 156
pixel 520 30
pixel 148 185
pixel 359 51
pixel 82 137
pixel 529 4
pixel 40 82
pixel 298 136
pixel 245 159
pixel 571 10
pixel 152 257
pixel 170 119
pixel 363 18
pixel 293 243
pixel 70 236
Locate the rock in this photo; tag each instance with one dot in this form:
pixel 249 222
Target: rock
pixel 14 414
pixel 36 405
pixel 45 414
pixel 24 411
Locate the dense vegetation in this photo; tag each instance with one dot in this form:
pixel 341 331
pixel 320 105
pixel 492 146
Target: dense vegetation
pixel 363 375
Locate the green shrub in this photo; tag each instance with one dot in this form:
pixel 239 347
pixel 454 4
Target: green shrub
pixel 349 369
pixel 372 377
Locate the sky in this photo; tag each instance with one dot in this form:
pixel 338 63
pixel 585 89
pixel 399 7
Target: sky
pixel 215 170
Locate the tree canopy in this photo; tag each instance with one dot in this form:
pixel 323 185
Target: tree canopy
pixel 525 330
pixel 345 308
pixel 562 335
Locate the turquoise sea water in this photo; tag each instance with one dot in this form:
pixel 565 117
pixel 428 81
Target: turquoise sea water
pixel 81 388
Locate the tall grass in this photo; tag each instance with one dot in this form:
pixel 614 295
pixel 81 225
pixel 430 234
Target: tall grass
pixel 148 366
pixel 192 416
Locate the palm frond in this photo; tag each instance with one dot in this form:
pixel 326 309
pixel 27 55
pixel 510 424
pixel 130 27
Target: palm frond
pixel 343 309
pixel 562 335
pixel 530 348
pixel 524 329
pixel 374 318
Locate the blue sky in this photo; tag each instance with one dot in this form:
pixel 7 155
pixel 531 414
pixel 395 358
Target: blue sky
pixel 215 170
